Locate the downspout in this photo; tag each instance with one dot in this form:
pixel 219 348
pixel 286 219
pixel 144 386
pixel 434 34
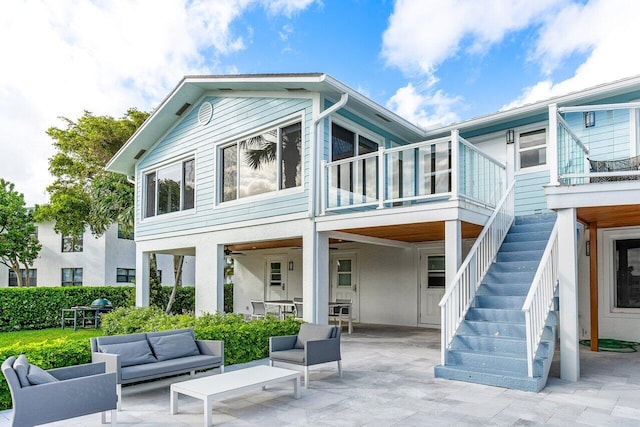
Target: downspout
pixel 316 154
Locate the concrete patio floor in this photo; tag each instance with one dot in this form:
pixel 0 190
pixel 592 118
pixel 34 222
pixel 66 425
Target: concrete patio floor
pixel 388 381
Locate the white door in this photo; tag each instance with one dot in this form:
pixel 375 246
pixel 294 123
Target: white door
pixel 432 286
pixel 344 281
pixel 276 278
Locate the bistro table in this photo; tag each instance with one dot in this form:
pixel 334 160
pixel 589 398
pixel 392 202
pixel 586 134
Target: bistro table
pixel 340 306
pixel 281 304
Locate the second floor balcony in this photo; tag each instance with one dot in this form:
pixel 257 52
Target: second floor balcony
pixel 448 168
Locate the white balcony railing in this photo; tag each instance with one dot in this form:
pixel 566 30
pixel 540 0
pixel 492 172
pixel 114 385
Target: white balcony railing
pixel 540 298
pixel 459 296
pixel 444 168
pixel 602 152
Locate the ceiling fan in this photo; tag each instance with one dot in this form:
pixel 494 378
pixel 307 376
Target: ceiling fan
pixel 229 252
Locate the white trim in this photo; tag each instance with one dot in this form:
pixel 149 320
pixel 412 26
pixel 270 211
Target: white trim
pixel 607 274
pixel 259 94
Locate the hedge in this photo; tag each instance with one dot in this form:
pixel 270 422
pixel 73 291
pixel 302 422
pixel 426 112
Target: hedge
pixel 40 308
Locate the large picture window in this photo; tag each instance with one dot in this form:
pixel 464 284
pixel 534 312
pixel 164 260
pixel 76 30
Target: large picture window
pixel 263 163
pixel 170 189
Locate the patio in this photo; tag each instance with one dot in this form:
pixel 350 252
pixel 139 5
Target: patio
pixel 388 380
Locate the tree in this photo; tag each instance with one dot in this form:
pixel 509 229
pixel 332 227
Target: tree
pixel 83 193
pixel 19 244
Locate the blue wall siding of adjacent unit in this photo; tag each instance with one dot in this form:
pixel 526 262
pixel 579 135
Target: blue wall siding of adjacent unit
pixel 608 139
pixel 232 117
pixel 529 192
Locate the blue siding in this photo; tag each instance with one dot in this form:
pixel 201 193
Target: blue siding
pixel 529 192
pixel 608 139
pixel 233 116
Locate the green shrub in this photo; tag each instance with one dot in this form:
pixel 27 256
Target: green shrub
pixel 40 308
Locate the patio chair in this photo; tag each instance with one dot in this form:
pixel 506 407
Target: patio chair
pixel 258 310
pixel 313 345
pixel 340 313
pixel 41 396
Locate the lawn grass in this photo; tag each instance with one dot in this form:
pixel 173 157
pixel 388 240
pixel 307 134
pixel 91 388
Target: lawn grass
pixel 26 337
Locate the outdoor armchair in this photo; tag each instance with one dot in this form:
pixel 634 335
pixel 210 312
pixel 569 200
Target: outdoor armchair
pixel 58 394
pixel 313 345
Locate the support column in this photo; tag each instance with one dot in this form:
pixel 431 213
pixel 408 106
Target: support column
pixel 568 291
pixel 142 277
pixel 315 277
pixel 209 278
pixel 593 285
pixel 452 249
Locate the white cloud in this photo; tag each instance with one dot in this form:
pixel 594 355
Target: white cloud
pixel 286 7
pixel 600 29
pixel 413 104
pixel 421 35
pixel 60 58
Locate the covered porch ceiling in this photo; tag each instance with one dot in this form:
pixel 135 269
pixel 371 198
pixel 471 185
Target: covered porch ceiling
pixel 408 233
pixel 610 216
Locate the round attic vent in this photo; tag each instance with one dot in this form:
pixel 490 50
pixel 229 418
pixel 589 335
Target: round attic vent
pixel 205 113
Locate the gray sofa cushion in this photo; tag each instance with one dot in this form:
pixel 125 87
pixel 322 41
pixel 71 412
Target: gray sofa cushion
pixel 131 353
pixel 37 376
pixel 312 332
pixel 173 346
pixel 21 366
pixel 168 367
pixel 293 356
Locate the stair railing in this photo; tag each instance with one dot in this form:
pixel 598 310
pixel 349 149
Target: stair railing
pixel 458 298
pixel 540 297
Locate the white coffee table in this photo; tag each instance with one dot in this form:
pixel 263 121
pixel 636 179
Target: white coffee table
pixel 208 388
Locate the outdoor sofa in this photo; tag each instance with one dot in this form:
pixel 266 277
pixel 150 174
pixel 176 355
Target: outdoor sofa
pixel 147 356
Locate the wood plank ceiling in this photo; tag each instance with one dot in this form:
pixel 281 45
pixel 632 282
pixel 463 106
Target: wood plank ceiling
pixel 610 216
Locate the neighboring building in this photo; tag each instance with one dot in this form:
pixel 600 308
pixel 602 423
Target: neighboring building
pixel 89 261
pixel 318 192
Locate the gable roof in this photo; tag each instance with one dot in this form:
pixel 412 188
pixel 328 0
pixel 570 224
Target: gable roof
pixel 192 88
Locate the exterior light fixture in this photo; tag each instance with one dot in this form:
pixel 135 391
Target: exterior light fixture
pixel 511 136
pixel 589 119
pixel 290 265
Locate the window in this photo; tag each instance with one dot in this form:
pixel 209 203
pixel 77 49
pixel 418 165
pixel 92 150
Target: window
pixel 33 277
pixel 170 189
pixel 72 243
pixel 354 177
pixel 533 148
pixel 435 271
pixel 123 235
pixel 263 163
pixel 71 277
pixel 627 288
pixel 125 275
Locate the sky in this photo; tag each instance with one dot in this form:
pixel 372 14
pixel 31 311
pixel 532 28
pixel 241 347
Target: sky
pixel 431 61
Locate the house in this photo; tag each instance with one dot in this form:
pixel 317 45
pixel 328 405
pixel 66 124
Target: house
pixel 89 261
pixel 478 228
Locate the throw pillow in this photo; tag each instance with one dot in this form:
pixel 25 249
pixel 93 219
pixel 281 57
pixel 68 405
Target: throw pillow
pixel 173 346
pixel 38 376
pixel 131 353
pixel 312 332
pixel 21 366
